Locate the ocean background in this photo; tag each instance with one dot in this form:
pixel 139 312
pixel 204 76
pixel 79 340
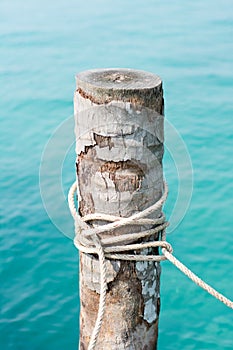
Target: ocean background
pixel 43 44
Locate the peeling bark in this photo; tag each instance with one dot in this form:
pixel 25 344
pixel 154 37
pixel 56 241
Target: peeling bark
pixel 119 145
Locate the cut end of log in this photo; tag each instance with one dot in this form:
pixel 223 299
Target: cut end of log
pixel 105 85
pixel 119 78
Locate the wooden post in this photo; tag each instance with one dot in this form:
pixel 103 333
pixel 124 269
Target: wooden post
pixel 119 146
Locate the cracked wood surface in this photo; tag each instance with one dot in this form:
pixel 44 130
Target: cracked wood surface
pixel 119 146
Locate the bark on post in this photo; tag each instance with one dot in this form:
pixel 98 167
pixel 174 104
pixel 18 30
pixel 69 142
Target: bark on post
pixel 119 145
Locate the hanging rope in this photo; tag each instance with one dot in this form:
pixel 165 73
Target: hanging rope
pixel 88 240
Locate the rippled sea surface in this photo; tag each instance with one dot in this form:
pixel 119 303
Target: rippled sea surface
pixel 43 44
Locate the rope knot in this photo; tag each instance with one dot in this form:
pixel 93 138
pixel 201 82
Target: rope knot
pixel 167 246
pixel 89 237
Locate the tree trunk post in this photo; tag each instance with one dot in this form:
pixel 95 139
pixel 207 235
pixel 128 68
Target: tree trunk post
pixel 119 146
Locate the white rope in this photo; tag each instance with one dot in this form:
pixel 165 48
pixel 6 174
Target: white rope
pixel 88 240
pixel 197 279
pixel 103 292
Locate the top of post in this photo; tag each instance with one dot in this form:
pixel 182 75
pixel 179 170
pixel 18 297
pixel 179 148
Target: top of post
pixel 106 85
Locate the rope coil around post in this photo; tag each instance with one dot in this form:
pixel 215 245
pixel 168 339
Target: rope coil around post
pixel 88 240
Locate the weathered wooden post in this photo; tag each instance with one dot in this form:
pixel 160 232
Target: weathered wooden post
pixel 119 146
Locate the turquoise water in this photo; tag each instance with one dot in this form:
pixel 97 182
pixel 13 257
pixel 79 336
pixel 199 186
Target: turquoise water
pixel 42 45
